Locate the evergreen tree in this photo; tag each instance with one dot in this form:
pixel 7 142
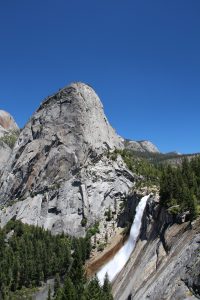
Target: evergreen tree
pixel 49 293
pixel 77 272
pixel 69 291
pixel 180 186
pixel 94 291
pixel 31 255
pixel 59 295
pixel 57 283
pixel 107 289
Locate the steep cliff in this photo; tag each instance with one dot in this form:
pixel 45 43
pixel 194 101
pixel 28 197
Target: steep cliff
pixel 60 175
pixel 165 263
pixel 7 123
pixel 9 131
pixel 5 152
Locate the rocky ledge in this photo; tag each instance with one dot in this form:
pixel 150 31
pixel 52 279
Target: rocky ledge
pixel 165 263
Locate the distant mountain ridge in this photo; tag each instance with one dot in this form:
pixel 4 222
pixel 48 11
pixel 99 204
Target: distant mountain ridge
pixel 141 146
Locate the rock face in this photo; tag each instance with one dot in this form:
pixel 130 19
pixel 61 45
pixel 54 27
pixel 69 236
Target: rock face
pixel 7 123
pixel 141 146
pixel 165 263
pixel 5 152
pixel 7 126
pixel 59 172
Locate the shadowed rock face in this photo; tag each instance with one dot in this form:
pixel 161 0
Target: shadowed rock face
pixel 165 263
pixel 59 172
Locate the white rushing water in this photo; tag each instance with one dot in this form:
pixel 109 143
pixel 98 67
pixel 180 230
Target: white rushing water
pixel 115 265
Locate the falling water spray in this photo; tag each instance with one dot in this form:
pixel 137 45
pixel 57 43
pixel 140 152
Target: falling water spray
pixel 115 265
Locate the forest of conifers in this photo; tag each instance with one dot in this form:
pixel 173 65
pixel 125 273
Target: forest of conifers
pixel 180 187
pixel 179 184
pixel 30 255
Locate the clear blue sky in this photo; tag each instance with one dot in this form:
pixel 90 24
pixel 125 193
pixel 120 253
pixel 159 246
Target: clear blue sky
pixel 142 58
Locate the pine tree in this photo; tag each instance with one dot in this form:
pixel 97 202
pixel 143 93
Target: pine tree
pixel 49 293
pixel 94 291
pixel 59 295
pixel 69 292
pixel 107 289
pixel 77 272
pixel 193 207
pixel 109 214
pixel 57 283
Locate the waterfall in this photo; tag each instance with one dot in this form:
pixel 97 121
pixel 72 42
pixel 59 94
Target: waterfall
pixel 115 265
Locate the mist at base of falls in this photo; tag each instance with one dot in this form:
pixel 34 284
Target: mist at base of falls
pixel 116 264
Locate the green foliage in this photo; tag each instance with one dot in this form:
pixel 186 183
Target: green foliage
pixel 107 289
pixel 161 158
pixel 57 283
pixel 30 255
pixel 24 293
pixel 59 294
pixel 10 139
pixel 69 290
pixel 174 210
pixel 93 230
pixel 84 221
pixel 101 247
pixel 49 293
pixel 180 187
pixel 141 166
pixel 108 214
pixel 94 290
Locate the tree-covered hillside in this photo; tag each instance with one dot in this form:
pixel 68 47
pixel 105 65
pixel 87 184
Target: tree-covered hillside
pixel 30 255
pixel 148 172
pixel 180 187
pixel 172 158
pixel 179 184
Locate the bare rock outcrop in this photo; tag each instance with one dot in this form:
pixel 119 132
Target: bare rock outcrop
pixel 141 146
pixel 5 152
pixel 8 127
pixel 165 262
pixel 7 123
pixel 60 172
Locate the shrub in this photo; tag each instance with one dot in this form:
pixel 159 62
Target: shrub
pixel 84 222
